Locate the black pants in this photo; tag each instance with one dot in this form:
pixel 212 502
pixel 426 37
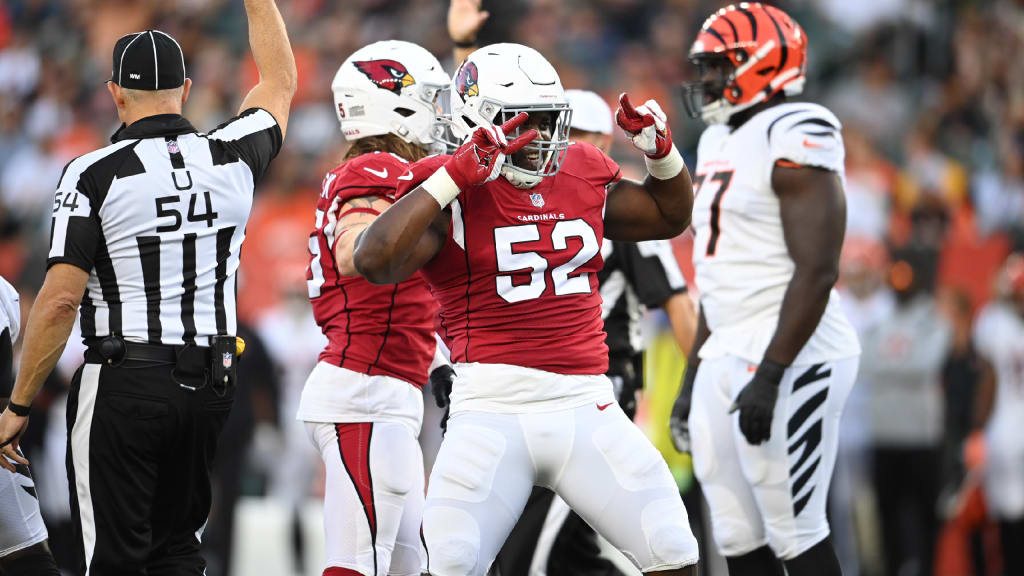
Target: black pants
pixel 140 448
pixel 907 484
pixel 1012 536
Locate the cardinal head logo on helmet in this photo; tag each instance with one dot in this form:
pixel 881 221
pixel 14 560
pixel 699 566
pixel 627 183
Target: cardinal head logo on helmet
pixel 387 74
pixel 465 82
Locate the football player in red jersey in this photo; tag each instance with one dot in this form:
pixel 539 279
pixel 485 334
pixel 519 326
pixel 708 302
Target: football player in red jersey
pixel 508 233
pixel 362 403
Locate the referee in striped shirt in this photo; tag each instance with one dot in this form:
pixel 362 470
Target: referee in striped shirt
pixel 146 238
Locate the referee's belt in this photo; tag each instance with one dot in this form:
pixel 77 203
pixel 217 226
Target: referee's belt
pixel 114 351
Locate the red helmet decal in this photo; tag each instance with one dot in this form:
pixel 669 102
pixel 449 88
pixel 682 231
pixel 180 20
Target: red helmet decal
pixel 387 74
pixel 465 80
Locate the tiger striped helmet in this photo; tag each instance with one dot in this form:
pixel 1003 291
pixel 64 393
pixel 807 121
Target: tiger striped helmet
pixel 756 50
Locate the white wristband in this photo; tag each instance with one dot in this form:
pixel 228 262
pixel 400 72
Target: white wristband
pixel 667 167
pixel 441 186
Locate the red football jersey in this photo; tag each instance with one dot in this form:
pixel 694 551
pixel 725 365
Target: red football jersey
pixel 517 276
pixel 373 329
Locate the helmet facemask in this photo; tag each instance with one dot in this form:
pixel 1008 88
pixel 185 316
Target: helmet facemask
pixel 540 158
pixel 705 98
pixel 435 103
pixel 446 134
pixel 544 155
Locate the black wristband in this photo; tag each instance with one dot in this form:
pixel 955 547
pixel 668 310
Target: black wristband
pixel 770 371
pixel 18 409
pixel 468 44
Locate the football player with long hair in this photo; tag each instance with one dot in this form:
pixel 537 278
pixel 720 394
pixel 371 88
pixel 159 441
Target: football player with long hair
pixel 774 358
pixel 362 404
pixel 508 233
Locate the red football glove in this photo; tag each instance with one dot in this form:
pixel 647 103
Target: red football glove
pixel 479 160
pixel 646 125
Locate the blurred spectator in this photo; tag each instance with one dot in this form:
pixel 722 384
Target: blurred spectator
pixel 1000 336
pixel 902 362
pixel 968 382
pixel 874 100
pixel 870 179
pixel 867 303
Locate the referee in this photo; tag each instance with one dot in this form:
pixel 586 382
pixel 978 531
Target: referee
pixel 146 237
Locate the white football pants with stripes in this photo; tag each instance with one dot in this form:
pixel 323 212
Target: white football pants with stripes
pixel 592 456
pixel 774 493
pixel 373 498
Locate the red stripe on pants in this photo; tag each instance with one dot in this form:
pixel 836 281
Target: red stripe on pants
pixel 354 446
pixel 336 571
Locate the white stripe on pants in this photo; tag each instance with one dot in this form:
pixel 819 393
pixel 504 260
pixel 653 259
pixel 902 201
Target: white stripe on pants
pixel 80 435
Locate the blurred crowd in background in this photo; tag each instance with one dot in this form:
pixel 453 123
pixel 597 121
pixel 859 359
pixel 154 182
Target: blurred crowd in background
pixel 931 95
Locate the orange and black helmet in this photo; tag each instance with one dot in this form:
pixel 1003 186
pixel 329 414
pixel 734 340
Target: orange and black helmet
pixel 745 54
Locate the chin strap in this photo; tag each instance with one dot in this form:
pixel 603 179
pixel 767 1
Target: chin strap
pixel 519 179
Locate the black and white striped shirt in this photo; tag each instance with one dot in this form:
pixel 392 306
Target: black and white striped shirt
pixel 634 275
pixel 157 219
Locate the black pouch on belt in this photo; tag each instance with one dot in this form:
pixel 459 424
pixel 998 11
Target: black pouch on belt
pixel 223 361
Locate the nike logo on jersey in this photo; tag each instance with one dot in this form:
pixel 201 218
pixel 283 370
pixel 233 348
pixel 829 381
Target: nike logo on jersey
pixel 379 173
pixel 809 144
pixel 406 176
pixel 601 407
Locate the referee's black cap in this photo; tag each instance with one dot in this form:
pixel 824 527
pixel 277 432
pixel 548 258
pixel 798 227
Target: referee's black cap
pixel 149 60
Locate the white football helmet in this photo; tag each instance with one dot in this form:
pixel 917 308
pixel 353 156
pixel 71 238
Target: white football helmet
pixel 391 87
pixel 501 80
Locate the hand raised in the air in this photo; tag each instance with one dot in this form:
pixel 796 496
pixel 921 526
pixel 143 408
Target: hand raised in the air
pixel 465 18
pixel 646 126
pixel 479 160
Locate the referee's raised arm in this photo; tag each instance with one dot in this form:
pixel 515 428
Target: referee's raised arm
pixel 145 247
pixel 274 60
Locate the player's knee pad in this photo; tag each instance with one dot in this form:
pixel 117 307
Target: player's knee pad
pixel 452 538
pixel 393 471
pixel 466 468
pixel 637 465
pixel 667 531
pixel 734 534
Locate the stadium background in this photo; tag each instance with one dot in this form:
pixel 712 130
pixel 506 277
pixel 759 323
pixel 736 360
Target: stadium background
pixel 930 92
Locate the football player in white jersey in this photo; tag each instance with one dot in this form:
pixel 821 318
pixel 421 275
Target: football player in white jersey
pixel 774 358
pixel 999 334
pixel 23 547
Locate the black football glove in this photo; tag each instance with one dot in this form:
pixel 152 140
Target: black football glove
pixel 679 421
pixel 756 402
pixel 627 396
pixel 441 379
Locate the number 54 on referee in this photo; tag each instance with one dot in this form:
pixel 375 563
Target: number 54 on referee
pixel 145 241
